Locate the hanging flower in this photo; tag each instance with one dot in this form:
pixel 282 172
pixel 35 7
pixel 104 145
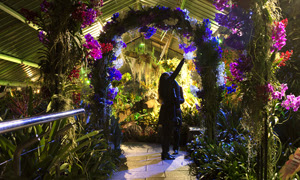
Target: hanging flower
pixel 90 75
pixel 118 63
pixel 291 102
pixel 79 13
pixel 284 57
pixel 84 14
pixel 115 16
pixel 277 94
pixel 240 23
pixel 93 46
pixel 221 74
pixel 187 49
pixel 189 55
pixel 194 90
pixel 279 35
pixel 193 22
pixel 45 6
pixel 74 74
pixel 106 47
pixel 89 17
pixel 111 94
pixel 185 12
pixel 98 99
pixel 231 89
pixel 76 96
pixel 208 32
pixel 148 31
pixel 214 42
pixel 119 45
pixel 221 4
pixel 114 74
pixel 42 37
pixel 240 67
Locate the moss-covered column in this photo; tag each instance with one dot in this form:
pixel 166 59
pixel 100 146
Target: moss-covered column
pixel 255 101
pixel 208 58
pixel 210 101
pixel 100 108
pixel 62 49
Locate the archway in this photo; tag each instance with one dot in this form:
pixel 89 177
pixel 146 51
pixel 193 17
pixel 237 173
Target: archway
pixel 147 20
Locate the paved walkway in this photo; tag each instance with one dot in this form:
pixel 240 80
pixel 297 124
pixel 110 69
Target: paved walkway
pixel 144 163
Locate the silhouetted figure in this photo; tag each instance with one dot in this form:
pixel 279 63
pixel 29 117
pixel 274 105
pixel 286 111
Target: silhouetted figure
pixel 170 96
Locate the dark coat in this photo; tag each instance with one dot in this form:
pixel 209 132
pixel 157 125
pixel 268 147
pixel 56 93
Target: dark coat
pixel 168 110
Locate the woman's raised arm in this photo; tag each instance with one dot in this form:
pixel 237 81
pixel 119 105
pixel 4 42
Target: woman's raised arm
pixel 177 70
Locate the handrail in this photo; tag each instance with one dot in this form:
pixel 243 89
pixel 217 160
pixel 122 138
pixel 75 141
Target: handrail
pixel 11 125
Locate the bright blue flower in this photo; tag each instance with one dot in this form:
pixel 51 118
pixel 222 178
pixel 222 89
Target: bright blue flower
pixel 189 48
pixel 114 74
pixel 231 89
pixel 148 31
pixel 115 16
pixel 114 58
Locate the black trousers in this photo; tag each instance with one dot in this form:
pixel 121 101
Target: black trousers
pixel 176 136
pixel 166 139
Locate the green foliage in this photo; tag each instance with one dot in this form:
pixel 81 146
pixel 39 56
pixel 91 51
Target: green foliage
pixel 226 159
pixel 192 117
pixel 58 156
pixel 62 149
pixel 231 156
pixel 24 103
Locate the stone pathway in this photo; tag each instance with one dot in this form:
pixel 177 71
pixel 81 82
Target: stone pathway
pixel 144 163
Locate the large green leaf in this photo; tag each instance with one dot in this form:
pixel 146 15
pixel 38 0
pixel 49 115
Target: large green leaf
pixel 91 134
pixel 7 145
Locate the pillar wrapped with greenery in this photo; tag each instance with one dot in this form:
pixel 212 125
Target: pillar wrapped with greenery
pixel 255 100
pixel 207 61
pixel 60 24
pixel 257 34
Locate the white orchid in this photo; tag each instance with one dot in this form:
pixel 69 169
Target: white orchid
pixel 118 63
pixel 194 90
pixel 189 55
pixel 221 74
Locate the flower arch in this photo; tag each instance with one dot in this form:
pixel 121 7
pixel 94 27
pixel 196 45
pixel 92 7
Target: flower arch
pixel 147 20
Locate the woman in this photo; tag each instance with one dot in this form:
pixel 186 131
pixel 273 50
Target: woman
pixel 169 111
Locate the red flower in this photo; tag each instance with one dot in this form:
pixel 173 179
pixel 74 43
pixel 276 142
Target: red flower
pixel 284 56
pixel 76 97
pixel 106 47
pixel 74 74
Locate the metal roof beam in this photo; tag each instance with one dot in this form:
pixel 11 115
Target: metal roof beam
pixel 19 61
pixel 166 47
pixel 18 84
pixel 16 15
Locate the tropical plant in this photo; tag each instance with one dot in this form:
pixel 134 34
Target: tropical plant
pixel 57 155
pixel 191 116
pixel 228 158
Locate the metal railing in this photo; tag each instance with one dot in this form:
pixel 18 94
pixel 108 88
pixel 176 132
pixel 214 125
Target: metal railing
pixel 11 125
